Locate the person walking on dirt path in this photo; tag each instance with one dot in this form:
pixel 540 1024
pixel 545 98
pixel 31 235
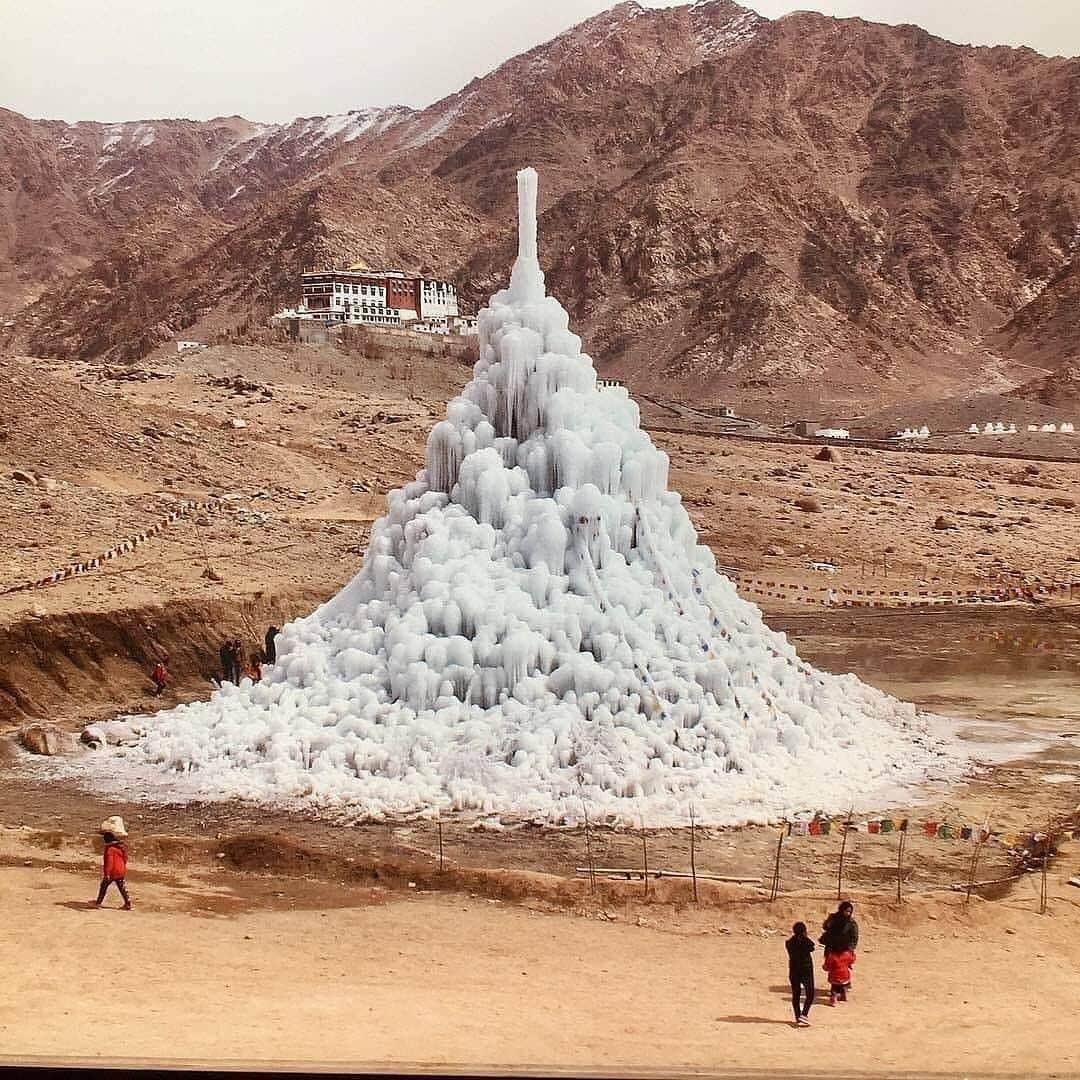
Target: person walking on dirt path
pixel 270 652
pixel 838 968
pixel 840 930
pixel 800 972
pixel 114 862
pixel 841 935
pixel 160 675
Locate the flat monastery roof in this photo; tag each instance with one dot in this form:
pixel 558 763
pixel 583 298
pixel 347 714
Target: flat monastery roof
pixel 367 275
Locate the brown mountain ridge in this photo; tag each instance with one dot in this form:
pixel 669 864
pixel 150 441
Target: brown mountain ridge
pixel 731 207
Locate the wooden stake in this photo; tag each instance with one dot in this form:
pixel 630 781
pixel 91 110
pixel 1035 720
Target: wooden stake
pixel 645 858
pixel 975 858
pixel 693 863
pixel 776 866
pixel 1045 866
pixel 438 824
pixel 843 848
pixel 588 850
pixel 900 867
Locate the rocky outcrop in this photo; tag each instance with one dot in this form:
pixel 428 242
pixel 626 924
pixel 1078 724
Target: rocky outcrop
pixel 44 739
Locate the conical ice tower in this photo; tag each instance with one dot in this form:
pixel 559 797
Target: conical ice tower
pixel 535 629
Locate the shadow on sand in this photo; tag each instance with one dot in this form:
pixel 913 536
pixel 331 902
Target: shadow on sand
pixel 753 1020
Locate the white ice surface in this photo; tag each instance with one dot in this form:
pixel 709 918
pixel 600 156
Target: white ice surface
pixel 535 628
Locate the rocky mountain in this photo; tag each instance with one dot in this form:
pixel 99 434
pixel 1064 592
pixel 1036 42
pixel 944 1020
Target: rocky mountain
pixel 731 207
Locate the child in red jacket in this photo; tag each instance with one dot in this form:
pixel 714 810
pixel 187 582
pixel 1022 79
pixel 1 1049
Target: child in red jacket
pixel 114 868
pixel 838 967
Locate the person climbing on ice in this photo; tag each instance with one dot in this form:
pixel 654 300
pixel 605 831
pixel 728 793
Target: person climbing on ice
pixel 114 862
pixel 799 947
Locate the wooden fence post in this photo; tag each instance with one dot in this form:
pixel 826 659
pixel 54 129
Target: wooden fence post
pixel 693 862
pixel 900 866
pixel 776 865
pixel 588 850
pixel 645 858
pixel 975 858
pixel 843 849
pixel 1047 844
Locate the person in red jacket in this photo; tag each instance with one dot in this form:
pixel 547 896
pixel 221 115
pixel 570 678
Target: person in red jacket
pixel 160 675
pixel 838 967
pixel 114 864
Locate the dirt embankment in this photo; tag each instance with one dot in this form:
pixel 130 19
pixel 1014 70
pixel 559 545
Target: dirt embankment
pixel 80 666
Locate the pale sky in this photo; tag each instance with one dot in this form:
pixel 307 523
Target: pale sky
pixel 272 60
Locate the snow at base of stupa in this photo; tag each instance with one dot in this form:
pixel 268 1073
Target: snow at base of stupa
pixel 534 630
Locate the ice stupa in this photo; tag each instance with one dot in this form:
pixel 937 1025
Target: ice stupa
pixel 535 629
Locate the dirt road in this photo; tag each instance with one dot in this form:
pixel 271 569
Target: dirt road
pixel 367 977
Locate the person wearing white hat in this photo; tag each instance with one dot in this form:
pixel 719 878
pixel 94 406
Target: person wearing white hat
pixel 114 867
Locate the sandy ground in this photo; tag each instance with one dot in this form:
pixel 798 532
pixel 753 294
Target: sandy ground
pixel 310 936
pixel 462 981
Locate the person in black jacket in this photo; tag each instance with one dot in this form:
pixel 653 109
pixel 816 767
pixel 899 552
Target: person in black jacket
pixel 270 652
pixel 225 652
pixel 800 972
pixel 840 930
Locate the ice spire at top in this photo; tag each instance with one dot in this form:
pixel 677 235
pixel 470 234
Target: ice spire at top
pixel 526 278
pixel 527 184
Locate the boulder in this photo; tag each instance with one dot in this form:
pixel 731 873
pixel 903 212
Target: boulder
pixel 44 739
pixel 237 423
pixel 808 505
pixel 775 550
pixel 942 523
pixel 829 453
pixel 21 476
pixel 1064 503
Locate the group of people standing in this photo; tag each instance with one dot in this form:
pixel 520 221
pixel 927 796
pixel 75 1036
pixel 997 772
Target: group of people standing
pixel 839 940
pixel 233 668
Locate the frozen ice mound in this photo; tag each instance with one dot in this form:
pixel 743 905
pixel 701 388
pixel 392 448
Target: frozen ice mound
pixel 535 629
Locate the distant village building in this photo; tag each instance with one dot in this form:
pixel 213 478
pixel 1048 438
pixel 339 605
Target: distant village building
pixel 189 346
pixel 608 384
pixel 381 298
